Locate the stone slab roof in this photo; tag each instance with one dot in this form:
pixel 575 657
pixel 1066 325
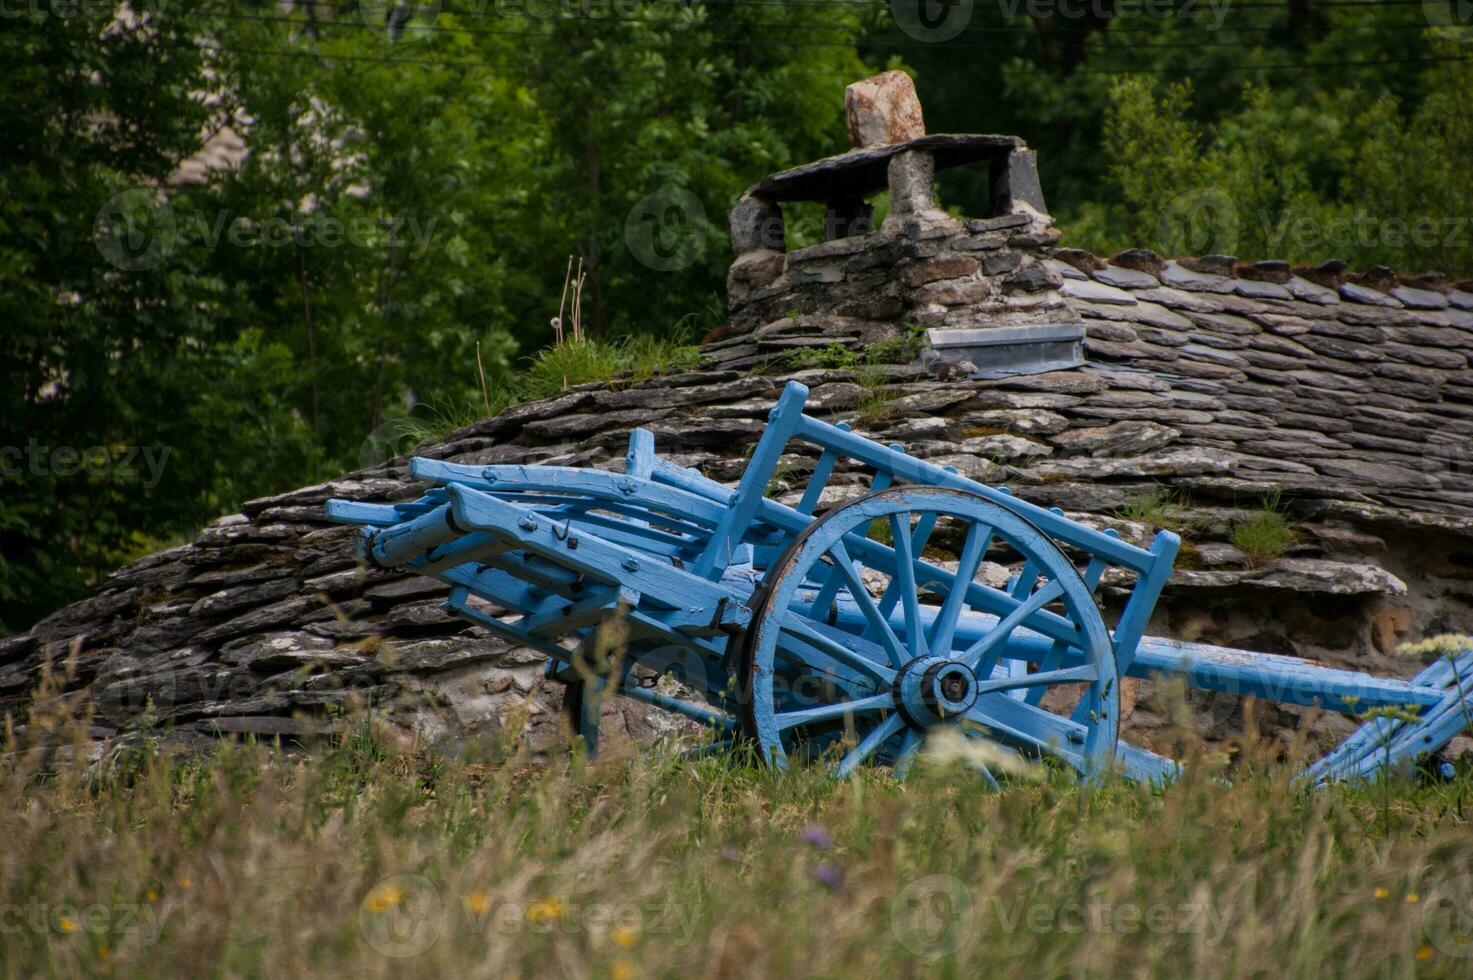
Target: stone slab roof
pixel 862 172
pixel 1353 399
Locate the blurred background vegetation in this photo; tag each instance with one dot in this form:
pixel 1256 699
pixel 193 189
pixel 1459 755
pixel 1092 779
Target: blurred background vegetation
pixel 415 178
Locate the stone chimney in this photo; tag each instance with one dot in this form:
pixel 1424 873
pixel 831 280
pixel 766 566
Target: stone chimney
pixel 977 283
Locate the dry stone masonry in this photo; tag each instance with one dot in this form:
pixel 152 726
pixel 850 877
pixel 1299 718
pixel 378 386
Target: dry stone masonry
pixel 1207 385
pixel 979 284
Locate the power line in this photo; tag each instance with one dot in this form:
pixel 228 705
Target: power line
pixel 564 16
pixel 1305 65
pixel 737 42
pixel 1257 4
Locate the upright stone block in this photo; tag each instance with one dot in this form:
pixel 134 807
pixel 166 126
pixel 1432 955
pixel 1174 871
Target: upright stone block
pixel 883 110
pixel 757 225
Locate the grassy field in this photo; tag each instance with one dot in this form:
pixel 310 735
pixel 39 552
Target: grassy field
pixel 360 859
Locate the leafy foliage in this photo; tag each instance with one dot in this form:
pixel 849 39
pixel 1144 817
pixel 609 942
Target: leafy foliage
pixel 417 175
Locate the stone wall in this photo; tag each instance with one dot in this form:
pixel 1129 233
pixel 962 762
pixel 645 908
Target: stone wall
pixel 921 267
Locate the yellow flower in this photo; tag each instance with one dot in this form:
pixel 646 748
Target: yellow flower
pixel 183 881
pixel 547 910
pixel 384 898
pixel 103 952
pixel 1413 898
pixel 151 895
pixel 1424 952
pixel 1381 893
pixel 623 970
pixel 624 936
pixel 476 901
pixel 67 924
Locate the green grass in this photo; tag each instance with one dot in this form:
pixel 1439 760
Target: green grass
pixel 1163 508
pixel 1265 535
pixel 361 859
pixel 868 367
pixel 632 358
pixel 546 373
pixel 437 420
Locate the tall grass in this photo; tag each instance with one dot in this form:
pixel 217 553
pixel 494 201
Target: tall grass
pixel 575 362
pixel 360 859
pixel 546 373
pixel 1266 534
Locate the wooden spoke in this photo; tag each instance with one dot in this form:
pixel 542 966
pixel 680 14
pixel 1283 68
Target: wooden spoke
pixel 866 603
pixel 867 745
pixel 943 629
pixel 905 582
pixel 974 654
pixel 796 625
pixel 918 539
pixel 1071 675
pixel 829 712
pixel 910 747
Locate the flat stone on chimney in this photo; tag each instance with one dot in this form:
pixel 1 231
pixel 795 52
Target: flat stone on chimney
pixel 883 110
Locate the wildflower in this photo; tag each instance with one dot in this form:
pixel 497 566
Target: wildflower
pixel 384 898
pixel 477 901
pixel 151 895
pixel 622 970
pixel 103 952
pixel 624 936
pixel 184 882
pixel 1413 898
pixel 1442 645
pixel 1424 952
pixel 829 876
pixel 546 910
pixel 66 924
pixel 816 835
pixel 1381 894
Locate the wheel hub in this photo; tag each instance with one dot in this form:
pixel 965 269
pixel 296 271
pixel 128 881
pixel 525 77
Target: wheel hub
pixel 932 690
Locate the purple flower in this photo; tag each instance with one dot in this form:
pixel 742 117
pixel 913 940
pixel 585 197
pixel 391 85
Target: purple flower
pixel 829 876
pixel 816 835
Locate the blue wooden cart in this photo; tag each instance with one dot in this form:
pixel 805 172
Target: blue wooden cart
pixel 853 631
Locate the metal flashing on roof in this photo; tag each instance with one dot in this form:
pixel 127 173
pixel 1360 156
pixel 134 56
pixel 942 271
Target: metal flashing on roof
pixel 997 352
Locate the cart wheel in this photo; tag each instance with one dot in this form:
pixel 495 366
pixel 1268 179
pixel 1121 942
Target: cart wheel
pixel 863 640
